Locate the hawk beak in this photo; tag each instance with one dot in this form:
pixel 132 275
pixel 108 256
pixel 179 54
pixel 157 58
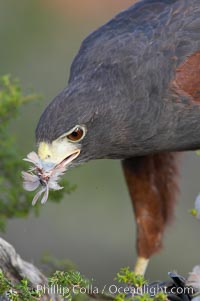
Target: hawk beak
pixel 57 153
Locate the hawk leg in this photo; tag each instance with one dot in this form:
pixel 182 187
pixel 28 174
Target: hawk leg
pixel 152 183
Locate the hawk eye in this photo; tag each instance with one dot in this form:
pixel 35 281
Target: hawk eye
pixel 76 135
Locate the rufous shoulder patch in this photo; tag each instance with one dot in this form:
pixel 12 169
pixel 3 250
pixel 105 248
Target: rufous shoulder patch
pixel 187 77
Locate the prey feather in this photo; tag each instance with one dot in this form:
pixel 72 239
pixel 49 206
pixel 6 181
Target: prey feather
pixel 41 178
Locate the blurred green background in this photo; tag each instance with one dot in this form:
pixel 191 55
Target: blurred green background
pixel 94 226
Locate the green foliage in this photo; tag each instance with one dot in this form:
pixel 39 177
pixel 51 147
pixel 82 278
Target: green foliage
pixel 72 283
pixel 160 296
pixel 121 297
pixel 5 284
pixel 145 297
pixel 14 201
pixel 22 291
pixel 127 276
pixel 71 280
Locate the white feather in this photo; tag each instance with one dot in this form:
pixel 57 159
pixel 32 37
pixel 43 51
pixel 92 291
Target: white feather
pixel 38 194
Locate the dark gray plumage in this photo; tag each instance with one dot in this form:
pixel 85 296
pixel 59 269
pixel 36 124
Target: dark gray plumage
pixel 119 84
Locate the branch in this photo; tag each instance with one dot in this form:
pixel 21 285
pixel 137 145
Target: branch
pixel 16 269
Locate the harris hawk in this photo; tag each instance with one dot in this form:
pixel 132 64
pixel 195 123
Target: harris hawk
pixel 133 94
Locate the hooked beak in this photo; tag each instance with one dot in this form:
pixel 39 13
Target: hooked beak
pixel 57 154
